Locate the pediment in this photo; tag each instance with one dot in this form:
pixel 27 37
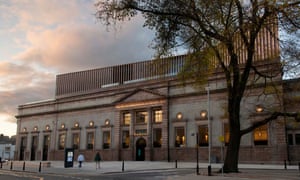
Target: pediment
pixel 141 95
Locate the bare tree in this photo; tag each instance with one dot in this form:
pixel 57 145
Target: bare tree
pixel 214 33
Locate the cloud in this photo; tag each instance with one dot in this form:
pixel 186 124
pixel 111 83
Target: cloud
pixel 77 47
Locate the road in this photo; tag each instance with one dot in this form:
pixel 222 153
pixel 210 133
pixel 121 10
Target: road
pixel 137 175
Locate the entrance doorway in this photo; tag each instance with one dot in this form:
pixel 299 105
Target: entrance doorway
pixel 140 149
pixel 46 147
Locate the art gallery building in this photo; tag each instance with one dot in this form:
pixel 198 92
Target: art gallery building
pixel 135 112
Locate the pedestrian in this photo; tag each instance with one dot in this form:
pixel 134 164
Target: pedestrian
pixel 97 159
pixel 80 159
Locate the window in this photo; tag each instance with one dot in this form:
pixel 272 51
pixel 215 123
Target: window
pixel 226 133
pixel 203 135
pixel 290 139
pixel 126 118
pixel 297 139
pixel 90 140
pixel 261 135
pixel 75 140
pixel 179 137
pixel 141 117
pixel 61 143
pixel 125 139
pixel 157 138
pixel 106 139
pixel 158 116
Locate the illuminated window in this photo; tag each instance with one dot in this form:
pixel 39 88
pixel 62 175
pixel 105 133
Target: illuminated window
pixel 141 117
pixel 158 116
pixel 157 141
pixel 203 135
pixel 76 140
pixel 261 135
pixel 126 118
pixel 179 137
pixel 125 139
pixel 106 139
pixel 61 143
pixel 226 133
pixel 90 140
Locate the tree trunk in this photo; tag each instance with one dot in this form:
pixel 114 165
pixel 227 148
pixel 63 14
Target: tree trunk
pixel 232 154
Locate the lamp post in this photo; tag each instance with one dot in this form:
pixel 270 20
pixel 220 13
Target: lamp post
pixel 207 88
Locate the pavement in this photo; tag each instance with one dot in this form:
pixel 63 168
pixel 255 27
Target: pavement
pixel 247 171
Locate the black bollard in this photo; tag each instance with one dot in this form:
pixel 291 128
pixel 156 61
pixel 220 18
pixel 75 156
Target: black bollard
pixel 285 164
pixel 1 164
pixel 40 167
pixel 176 164
pixel 123 166
pixel 11 165
pixel 209 170
pixel 299 166
pixel 24 166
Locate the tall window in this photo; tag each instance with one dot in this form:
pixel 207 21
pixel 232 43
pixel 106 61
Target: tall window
pixel 179 137
pixel 157 141
pixel 141 117
pixel 126 118
pixel 297 139
pixel 90 140
pixel 75 140
pixel 203 135
pixel 61 143
pixel 261 135
pixel 125 139
pixel 226 133
pixel 106 139
pixel 157 116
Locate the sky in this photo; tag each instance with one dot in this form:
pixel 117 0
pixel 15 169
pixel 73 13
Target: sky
pixel 40 39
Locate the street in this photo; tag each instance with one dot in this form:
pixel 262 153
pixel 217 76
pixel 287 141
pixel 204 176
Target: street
pixel 137 175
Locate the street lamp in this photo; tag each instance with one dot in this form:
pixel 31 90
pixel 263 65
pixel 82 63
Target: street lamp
pixel 207 88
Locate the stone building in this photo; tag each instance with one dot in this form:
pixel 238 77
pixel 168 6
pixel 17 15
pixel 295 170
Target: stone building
pixel 137 112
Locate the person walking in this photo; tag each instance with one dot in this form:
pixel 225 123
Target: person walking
pixel 97 159
pixel 80 159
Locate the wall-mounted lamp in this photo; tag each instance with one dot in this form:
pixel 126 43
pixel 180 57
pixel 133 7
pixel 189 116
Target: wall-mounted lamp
pixel 63 126
pixel 91 123
pixel 179 116
pixel 76 125
pixel 47 127
pixel 259 108
pixel 203 114
pixel 107 122
pixel 24 129
pixel 35 128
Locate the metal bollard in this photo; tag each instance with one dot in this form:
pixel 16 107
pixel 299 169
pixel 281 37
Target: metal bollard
pixel 11 165
pixel 299 166
pixel 40 167
pixel 285 164
pixel 209 170
pixel 1 164
pixel 123 166
pixel 24 166
pixel 176 164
